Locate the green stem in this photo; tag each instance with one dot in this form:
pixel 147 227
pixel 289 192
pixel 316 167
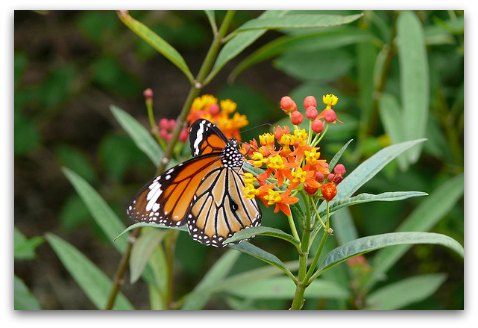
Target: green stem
pixel 292 227
pixel 311 276
pixel 301 283
pixel 196 87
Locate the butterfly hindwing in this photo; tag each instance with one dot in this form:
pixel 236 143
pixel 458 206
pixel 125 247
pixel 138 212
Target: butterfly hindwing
pixel 218 213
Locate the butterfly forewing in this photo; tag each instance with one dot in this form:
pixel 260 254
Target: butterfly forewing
pixel 168 198
pixel 206 138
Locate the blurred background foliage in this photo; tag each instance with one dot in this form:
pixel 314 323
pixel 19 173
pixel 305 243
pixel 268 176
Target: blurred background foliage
pixel 70 66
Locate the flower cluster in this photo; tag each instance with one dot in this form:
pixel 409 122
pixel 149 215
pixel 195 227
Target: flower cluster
pixel 207 107
pixel 291 158
pixel 166 128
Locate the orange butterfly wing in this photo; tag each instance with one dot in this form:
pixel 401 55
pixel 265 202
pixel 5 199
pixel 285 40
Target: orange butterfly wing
pixel 167 198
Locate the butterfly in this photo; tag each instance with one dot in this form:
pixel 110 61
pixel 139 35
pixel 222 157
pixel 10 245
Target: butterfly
pixel 204 192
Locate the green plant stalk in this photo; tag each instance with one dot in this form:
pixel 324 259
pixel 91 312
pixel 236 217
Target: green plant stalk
pixel 196 87
pixel 301 283
pixel 304 276
pixel 311 276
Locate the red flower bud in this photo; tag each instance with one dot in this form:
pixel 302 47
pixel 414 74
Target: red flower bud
pixel 311 112
pixel 338 179
pixel 319 176
pixel 317 126
pixel 310 101
pixel 214 109
pixel 171 124
pixel 296 117
pixel 330 116
pixel 183 136
pixel 148 93
pixel 330 177
pixel 163 134
pixel 164 123
pixel 339 169
pixel 329 190
pixel 287 104
pixel 310 190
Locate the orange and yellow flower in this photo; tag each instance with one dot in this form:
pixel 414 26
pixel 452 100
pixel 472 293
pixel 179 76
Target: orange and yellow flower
pixel 291 161
pixel 207 107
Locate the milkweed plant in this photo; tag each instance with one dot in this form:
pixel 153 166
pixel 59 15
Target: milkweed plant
pixel 285 169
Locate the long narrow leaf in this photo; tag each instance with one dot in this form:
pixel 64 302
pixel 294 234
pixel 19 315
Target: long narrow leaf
pixel 156 42
pixel 404 292
pixel 104 216
pixel 284 288
pixel 414 84
pixel 92 280
pixel 366 198
pixel 266 231
pixel 371 243
pixel 344 227
pixel 262 255
pixel 338 155
pixel 141 137
pixel 298 21
pixel 423 218
pixel 152 225
pixel 23 299
pixel 322 40
pixel 142 250
pixel 203 291
pixel 240 42
pixel 391 117
pixel 369 168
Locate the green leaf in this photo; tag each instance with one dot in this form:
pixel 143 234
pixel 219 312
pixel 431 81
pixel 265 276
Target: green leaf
pixel 338 155
pixel 315 41
pixel 157 43
pixel 262 255
pixel 414 84
pixel 297 21
pixel 240 42
pixel 423 218
pixel 104 216
pixel 77 161
pixel 284 288
pixel 261 230
pixel 369 168
pixel 139 134
pixel 344 226
pixel 315 66
pixel 211 16
pixel 371 243
pixel 365 198
pixel 253 275
pixel 152 225
pixel 198 298
pixel 391 117
pixel 23 299
pixel 404 292
pixel 142 250
pixel 92 280
pixel 23 248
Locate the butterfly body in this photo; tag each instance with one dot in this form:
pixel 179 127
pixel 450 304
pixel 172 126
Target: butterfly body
pixel 204 192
